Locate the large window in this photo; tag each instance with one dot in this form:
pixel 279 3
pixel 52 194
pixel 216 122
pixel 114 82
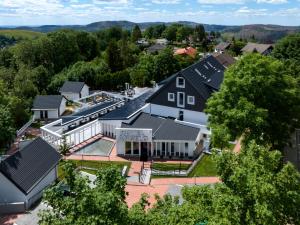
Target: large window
pixel 128 148
pixel 171 97
pixel 180 99
pixel 136 148
pixel 180 82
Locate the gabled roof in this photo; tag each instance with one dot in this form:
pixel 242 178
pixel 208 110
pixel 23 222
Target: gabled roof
pixel 72 86
pixel 47 102
pixel 163 128
pixel 254 47
pixel 205 76
pixel 222 46
pixel 29 165
pixel 156 48
pixel 224 58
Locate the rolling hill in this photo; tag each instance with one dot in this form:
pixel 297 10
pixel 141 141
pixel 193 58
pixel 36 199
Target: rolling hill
pixel 262 33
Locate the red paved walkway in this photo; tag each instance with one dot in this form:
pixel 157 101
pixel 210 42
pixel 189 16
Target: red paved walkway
pixel 185 180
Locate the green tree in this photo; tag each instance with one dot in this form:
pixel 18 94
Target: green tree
pixel 113 57
pixel 258 100
pixel 102 204
pixel 170 33
pixel 7 131
pixel 64 148
pixel 288 48
pixel 136 33
pixel 199 33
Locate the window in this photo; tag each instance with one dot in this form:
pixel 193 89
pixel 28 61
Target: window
pixel 191 100
pixel 128 148
pixel 136 148
pixel 180 99
pixel 180 82
pixel 171 97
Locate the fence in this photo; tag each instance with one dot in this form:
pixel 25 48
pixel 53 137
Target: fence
pixel 10 208
pixel 22 129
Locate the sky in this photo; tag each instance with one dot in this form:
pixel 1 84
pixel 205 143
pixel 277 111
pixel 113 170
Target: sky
pixel 224 12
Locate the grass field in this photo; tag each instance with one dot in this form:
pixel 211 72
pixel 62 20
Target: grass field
pixel 170 166
pixel 95 165
pixel 20 34
pixel 206 167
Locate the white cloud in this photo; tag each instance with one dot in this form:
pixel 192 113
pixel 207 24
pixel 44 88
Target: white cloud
pixel 221 2
pixel 166 1
pixel 272 1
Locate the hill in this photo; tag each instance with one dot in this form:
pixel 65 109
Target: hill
pixel 19 34
pixel 262 33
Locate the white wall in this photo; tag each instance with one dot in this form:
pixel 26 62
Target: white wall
pixel 85 91
pixel 62 107
pixel 9 193
pixel 52 114
pixel 189 116
pixel 70 96
pixel 36 192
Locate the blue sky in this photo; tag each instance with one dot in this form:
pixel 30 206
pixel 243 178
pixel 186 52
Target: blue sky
pixel 228 12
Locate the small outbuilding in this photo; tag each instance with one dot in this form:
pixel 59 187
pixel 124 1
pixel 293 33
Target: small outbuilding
pixel 48 106
pixel 74 90
pixel 25 174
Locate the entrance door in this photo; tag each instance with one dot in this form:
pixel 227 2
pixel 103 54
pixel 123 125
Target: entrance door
pixel 46 114
pixel 144 151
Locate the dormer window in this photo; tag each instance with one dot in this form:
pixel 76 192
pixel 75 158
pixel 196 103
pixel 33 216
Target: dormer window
pixel 191 100
pixel 180 82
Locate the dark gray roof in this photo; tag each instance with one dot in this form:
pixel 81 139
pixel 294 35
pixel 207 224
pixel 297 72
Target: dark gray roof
pixel 206 76
pixel 260 48
pixel 129 108
pixel 47 101
pixel 156 48
pixel 28 166
pixel 163 128
pixel 86 112
pixel 224 58
pixel 222 46
pixel 72 86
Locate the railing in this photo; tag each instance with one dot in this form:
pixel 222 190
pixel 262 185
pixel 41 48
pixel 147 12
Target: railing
pixel 22 129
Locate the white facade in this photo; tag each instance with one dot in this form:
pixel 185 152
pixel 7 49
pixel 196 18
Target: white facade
pixel 188 115
pixel 9 193
pixel 50 113
pixel 75 96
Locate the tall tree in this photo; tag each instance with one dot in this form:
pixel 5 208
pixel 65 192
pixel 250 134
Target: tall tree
pixel 7 131
pixel 136 33
pixel 258 100
pixel 199 33
pixel 113 56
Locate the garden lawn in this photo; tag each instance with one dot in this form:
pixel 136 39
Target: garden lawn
pixel 206 167
pixel 94 165
pixel 170 166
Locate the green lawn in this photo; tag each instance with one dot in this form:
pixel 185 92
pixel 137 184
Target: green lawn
pixel 170 166
pixel 93 164
pixel 206 167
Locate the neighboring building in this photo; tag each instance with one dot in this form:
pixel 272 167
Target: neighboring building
pixel 156 48
pixel 222 47
pixel 190 51
pixel 152 136
pixel 74 90
pixel 162 41
pixel 224 58
pixel 184 95
pixel 264 49
pixel 48 106
pixel 25 174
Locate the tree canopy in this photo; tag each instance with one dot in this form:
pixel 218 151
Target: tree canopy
pixel 258 99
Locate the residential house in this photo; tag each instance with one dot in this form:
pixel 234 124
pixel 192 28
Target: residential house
pixel 184 95
pixel 48 106
pixel 224 58
pixel 142 42
pixel 190 51
pixel 222 47
pixel 162 41
pixel 25 174
pixel 74 90
pixel 156 48
pixel 264 49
